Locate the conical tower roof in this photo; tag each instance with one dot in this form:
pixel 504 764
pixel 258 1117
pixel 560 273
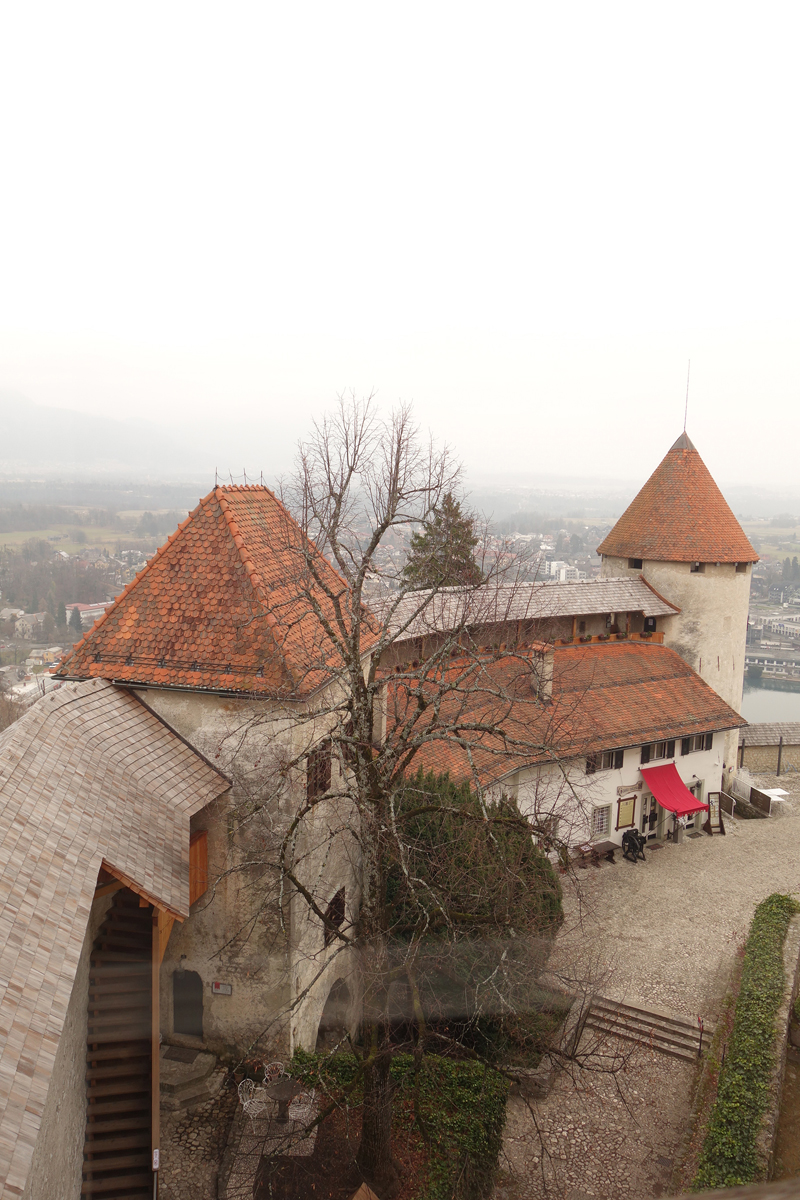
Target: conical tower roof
pixel 680 515
pixel 228 604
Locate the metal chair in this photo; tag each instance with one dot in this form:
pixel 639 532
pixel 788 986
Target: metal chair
pixel 303 1106
pixel 273 1071
pixel 254 1100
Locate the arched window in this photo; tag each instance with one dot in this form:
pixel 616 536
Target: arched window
pixel 334 916
pixel 187 1003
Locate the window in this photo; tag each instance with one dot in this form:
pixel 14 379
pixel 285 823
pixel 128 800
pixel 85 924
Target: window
pixel 635 564
pixel 649 624
pixel 658 750
pixel 700 741
pixel 334 916
pixel 697 568
pixel 581 627
pixel 609 760
pixel 198 865
pixel 600 821
pixel 318 771
pixel 741 568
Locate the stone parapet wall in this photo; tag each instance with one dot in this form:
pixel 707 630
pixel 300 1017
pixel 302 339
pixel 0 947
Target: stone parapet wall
pixel 764 759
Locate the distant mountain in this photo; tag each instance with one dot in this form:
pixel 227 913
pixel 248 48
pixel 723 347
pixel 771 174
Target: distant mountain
pixel 40 441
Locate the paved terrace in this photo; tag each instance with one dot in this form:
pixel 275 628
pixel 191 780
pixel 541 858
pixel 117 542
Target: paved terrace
pixel 662 934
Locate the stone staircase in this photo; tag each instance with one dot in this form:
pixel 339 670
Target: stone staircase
pixel 188 1078
pixel 668 1033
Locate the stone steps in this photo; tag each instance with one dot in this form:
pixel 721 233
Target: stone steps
pixel 187 1085
pixel 668 1033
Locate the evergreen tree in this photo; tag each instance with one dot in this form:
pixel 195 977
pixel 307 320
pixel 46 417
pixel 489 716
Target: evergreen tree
pixel 443 555
pixel 795 568
pixel 787 569
pixel 61 614
pixel 75 622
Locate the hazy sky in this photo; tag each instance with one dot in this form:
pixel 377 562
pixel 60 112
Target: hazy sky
pixel 523 217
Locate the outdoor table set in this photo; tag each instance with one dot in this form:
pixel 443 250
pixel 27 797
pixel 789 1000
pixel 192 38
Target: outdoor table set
pixel 278 1091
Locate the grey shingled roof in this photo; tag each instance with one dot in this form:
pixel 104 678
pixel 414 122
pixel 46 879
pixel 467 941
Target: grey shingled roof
pixel 87 775
pixel 770 733
pixel 454 607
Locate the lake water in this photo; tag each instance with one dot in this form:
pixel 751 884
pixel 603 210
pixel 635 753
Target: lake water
pixel 762 704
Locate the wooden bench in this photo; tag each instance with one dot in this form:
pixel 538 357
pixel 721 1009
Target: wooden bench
pixel 593 852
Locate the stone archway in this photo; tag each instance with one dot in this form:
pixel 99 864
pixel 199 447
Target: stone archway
pixel 334 1022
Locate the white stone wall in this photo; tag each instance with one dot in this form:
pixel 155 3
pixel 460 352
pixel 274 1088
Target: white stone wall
pixel 56 1169
pixel 710 630
pixel 279 970
pixel 570 795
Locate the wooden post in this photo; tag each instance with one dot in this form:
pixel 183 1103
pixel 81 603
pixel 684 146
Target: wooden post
pixel 741 753
pixel 155 1051
pixel 780 754
pixel 162 927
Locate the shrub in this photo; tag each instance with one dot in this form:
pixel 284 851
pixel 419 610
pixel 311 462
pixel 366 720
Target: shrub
pixel 728 1157
pixel 463 1109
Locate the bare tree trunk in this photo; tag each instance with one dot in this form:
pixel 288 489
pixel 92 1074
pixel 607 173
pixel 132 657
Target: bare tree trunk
pixel 375 1152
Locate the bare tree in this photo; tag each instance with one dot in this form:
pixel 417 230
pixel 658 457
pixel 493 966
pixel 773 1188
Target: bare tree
pixel 440 929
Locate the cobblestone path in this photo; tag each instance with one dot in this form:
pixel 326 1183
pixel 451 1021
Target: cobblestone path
pixel 664 934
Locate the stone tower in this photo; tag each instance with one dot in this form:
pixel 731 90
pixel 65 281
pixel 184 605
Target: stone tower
pixel 681 536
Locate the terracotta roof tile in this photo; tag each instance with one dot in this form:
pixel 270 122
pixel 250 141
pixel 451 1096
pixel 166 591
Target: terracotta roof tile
pixel 680 515
pixel 227 604
pixel 605 696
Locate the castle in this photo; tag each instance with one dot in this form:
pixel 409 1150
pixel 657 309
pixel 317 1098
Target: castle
pixel 132 797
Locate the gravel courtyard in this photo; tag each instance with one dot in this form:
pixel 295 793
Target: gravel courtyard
pixel 660 934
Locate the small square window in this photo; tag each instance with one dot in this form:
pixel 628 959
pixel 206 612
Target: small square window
pixel 601 821
pixel 612 760
pixel 649 624
pixel 741 568
pixel 697 568
pixel 635 564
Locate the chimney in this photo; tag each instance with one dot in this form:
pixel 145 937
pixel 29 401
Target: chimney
pixel 542 656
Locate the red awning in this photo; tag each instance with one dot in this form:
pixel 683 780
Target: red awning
pixel 670 791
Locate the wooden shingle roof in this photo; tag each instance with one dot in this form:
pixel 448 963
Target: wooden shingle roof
pixel 87 776
pixel 680 515
pixel 227 605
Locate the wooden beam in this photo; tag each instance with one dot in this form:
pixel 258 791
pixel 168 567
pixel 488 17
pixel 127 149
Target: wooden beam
pixel 106 889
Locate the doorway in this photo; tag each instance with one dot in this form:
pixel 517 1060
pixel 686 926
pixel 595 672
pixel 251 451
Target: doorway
pixel 650 818
pixel 187 1003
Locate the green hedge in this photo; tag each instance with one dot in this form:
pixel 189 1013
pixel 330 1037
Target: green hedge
pixel 463 1105
pixel 728 1157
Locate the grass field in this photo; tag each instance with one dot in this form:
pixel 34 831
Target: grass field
pixel 97 536
pixel 773 541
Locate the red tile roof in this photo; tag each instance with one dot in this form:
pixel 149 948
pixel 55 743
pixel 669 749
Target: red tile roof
pixel 680 515
pixel 606 695
pixel 227 604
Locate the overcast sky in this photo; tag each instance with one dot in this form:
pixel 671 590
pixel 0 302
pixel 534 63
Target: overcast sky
pixel 523 217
